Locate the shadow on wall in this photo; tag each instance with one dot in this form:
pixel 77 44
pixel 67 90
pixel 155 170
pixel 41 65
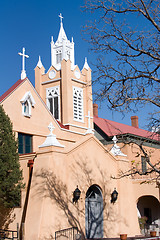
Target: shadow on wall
pixel 94 206
pixel 6 217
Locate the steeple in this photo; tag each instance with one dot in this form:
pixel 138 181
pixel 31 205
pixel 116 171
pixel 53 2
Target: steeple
pixel 62 35
pixel 62 48
pixel 64 88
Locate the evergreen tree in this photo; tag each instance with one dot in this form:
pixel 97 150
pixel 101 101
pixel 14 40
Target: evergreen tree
pixel 10 173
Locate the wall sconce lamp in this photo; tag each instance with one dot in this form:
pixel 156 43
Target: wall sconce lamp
pixel 114 196
pixel 76 195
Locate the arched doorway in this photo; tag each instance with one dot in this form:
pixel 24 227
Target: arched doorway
pixel 149 207
pixel 94 213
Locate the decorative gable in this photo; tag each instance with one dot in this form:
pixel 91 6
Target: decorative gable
pixel 27 103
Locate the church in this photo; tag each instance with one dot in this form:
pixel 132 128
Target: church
pixel 73 160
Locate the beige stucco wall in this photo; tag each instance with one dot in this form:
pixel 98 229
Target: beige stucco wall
pixel 83 161
pixel 83 167
pixel 66 79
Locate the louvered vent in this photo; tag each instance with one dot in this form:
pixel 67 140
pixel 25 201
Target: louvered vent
pixel 78 104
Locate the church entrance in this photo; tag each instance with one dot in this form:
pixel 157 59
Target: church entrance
pixel 94 213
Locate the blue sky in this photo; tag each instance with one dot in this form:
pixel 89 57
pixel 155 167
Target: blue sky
pixel 30 24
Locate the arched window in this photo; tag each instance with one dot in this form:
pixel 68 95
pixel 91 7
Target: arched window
pixel 94 213
pixel 53 101
pixel 26 108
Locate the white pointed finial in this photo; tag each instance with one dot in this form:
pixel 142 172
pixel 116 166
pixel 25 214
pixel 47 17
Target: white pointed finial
pixel 86 66
pixel 52 39
pixel 60 16
pixel 23 72
pixel 39 64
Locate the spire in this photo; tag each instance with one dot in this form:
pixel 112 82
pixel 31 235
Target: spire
pixel 62 35
pixel 39 64
pixel 86 66
pixel 62 48
pixel 52 40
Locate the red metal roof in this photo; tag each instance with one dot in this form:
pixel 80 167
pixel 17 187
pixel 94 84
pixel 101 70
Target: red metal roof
pixel 11 89
pixel 111 128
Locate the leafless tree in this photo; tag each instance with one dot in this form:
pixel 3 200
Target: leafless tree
pixel 150 172
pixel 126 35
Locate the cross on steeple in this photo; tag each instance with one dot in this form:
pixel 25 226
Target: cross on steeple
pixel 60 16
pixel 23 72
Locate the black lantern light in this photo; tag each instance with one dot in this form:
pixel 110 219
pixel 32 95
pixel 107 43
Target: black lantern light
pixel 114 196
pixel 76 194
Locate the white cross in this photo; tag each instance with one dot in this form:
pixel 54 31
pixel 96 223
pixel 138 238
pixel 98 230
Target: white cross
pixel 89 119
pixel 23 73
pixel 51 128
pixel 60 16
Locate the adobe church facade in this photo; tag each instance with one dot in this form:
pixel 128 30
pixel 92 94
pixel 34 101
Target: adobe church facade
pixel 60 151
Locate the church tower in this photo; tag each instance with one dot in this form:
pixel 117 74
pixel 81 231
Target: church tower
pixel 66 89
pixel 62 48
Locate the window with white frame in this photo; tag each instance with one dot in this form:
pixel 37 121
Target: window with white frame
pixel 78 104
pixel 53 101
pixel 27 104
pixel 58 56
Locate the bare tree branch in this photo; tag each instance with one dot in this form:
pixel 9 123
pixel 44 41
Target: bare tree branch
pixel 126 36
pixel 136 168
